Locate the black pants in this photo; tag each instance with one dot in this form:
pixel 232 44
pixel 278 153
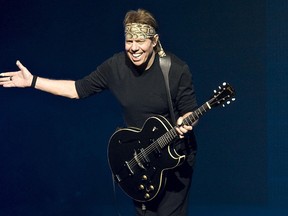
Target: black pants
pixel 174 200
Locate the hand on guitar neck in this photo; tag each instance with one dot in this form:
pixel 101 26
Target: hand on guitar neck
pixel 181 128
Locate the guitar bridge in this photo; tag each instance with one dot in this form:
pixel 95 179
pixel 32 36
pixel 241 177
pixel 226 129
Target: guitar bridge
pixel 127 165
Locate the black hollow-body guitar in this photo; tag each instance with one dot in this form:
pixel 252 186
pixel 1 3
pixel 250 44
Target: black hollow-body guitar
pixel 138 158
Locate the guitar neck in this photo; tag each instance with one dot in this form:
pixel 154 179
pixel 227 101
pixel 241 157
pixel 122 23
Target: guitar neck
pixel 195 115
pixel 169 136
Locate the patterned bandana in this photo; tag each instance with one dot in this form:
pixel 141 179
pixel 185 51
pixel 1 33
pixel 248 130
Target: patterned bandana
pixel 139 31
pixel 142 31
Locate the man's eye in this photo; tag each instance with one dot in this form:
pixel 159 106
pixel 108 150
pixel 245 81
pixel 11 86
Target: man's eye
pixel 140 41
pixel 136 41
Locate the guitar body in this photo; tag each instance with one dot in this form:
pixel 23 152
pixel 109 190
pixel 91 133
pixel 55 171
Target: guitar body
pixel 138 158
pixel 138 163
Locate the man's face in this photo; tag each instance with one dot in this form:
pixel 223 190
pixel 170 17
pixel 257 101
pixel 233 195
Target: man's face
pixel 139 50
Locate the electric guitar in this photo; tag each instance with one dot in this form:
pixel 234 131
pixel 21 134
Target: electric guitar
pixel 139 157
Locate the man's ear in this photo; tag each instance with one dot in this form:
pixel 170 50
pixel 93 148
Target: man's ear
pixel 155 39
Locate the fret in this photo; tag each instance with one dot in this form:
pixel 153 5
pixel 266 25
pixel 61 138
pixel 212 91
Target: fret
pixel 196 112
pixel 166 138
pixel 185 121
pixel 191 120
pixel 204 110
pixel 161 141
pixel 193 116
pixel 199 111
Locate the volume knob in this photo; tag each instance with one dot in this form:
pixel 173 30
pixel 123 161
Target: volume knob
pixel 146 196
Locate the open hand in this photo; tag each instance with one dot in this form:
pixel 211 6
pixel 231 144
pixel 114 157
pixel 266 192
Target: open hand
pixel 22 78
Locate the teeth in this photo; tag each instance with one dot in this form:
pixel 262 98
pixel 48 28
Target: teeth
pixel 137 55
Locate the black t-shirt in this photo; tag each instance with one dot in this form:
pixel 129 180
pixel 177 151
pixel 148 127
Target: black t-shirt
pixel 141 94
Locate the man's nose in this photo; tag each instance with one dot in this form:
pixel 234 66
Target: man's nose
pixel 134 46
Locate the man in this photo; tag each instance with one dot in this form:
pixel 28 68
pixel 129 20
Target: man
pixel 136 80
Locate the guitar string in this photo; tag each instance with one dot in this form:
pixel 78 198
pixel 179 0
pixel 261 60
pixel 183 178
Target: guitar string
pixel 161 140
pixel 166 138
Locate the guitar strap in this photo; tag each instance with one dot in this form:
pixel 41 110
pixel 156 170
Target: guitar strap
pixel 165 64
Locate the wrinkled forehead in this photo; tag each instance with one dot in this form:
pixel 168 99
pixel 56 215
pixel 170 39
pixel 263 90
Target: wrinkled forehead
pixel 139 31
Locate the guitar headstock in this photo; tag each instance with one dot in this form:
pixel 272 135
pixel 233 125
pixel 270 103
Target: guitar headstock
pixel 223 95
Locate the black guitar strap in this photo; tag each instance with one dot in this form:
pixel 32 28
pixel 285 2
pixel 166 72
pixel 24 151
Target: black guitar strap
pixel 165 64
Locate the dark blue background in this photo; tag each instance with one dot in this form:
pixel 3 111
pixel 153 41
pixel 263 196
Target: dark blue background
pixel 53 150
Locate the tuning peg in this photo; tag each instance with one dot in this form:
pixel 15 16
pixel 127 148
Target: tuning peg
pixel 224 84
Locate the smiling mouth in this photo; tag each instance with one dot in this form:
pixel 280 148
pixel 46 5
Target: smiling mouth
pixel 137 55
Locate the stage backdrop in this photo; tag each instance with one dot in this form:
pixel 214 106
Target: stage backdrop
pixel 53 158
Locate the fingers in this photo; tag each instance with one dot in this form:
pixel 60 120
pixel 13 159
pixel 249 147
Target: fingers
pixel 12 73
pixel 7 74
pixel 6 78
pixel 181 128
pixel 8 85
pixel 20 66
pixel 6 81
